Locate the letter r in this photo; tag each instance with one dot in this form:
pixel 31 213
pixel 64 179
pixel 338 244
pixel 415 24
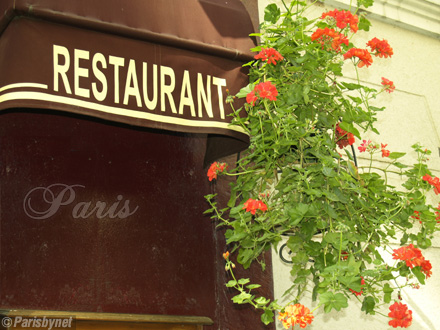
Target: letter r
pixel 61 69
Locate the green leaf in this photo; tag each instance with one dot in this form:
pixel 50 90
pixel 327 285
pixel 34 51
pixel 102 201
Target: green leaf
pixel 365 3
pixel 351 86
pixel 330 211
pixel 351 282
pixel 388 290
pixel 349 128
pixel 245 91
pixel 418 273
pixel 231 283
pixel 262 301
pixel 364 24
pixel 353 170
pixel 327 171
pixel 333 301
pixel 368 305
pixel 272 13
pixel 396 155
pixel 245 257
pixel 253 286
pixel 399 165
pixel 267 316
pixel 243 281
pixel 242 298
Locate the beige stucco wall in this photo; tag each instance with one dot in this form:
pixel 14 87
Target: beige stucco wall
pixel 412 115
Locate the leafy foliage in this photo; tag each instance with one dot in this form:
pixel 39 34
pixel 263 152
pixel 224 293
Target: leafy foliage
pixel 339 216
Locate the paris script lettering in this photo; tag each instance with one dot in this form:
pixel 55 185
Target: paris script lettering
pixel 44 202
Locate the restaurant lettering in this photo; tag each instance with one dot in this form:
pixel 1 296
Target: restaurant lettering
pixel 121 80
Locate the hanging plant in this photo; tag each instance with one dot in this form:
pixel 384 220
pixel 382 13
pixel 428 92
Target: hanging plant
pixel 300 177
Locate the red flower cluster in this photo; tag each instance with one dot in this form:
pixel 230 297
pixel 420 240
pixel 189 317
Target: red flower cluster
pixel 343 18
pixel 380 48
pixel 264 90
pixel 433 182
pixel 270 55
pixel 400 314
pixel 330 36
pixel 296 314
pixel 215 169
pixel 385 153
pixel 363 55
pixel 389 85
pixel 365 145
pixel 413 258
pixel 361 292
pixel 343 138
pixel 252 205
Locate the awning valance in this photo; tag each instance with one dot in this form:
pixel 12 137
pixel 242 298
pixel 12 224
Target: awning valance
pixel 162 64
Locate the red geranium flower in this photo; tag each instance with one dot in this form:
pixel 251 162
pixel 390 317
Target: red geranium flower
pixel 433 182
pixel 330 36
pixel 413 258
pixel 252 205
pixel 251 98
pixel 215 169
pixel 343 138
pixel 400 314
pixel 389 85
pixel 385 153
pixel 264 90
pixel 270 55
pixel 410 254
pixel 363 55
pixel 364 145
pixel 343 18
pixel 296 314
pixel 380 48
pixel 426 267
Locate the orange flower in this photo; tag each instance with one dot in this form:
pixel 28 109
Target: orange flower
pixel 329 35
pixel 226 255
pixel 400 314
pixel 270 55
pixel 296 314
pixel 343 18
pixel 380 48
pixel 252 205
pixel 216 168
pixel 389 85
pixel 363 55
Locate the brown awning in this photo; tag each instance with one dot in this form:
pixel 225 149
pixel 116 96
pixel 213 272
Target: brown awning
pixel 163 64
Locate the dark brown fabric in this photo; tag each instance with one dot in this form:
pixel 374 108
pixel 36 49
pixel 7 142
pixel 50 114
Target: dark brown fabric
pixel 218 26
